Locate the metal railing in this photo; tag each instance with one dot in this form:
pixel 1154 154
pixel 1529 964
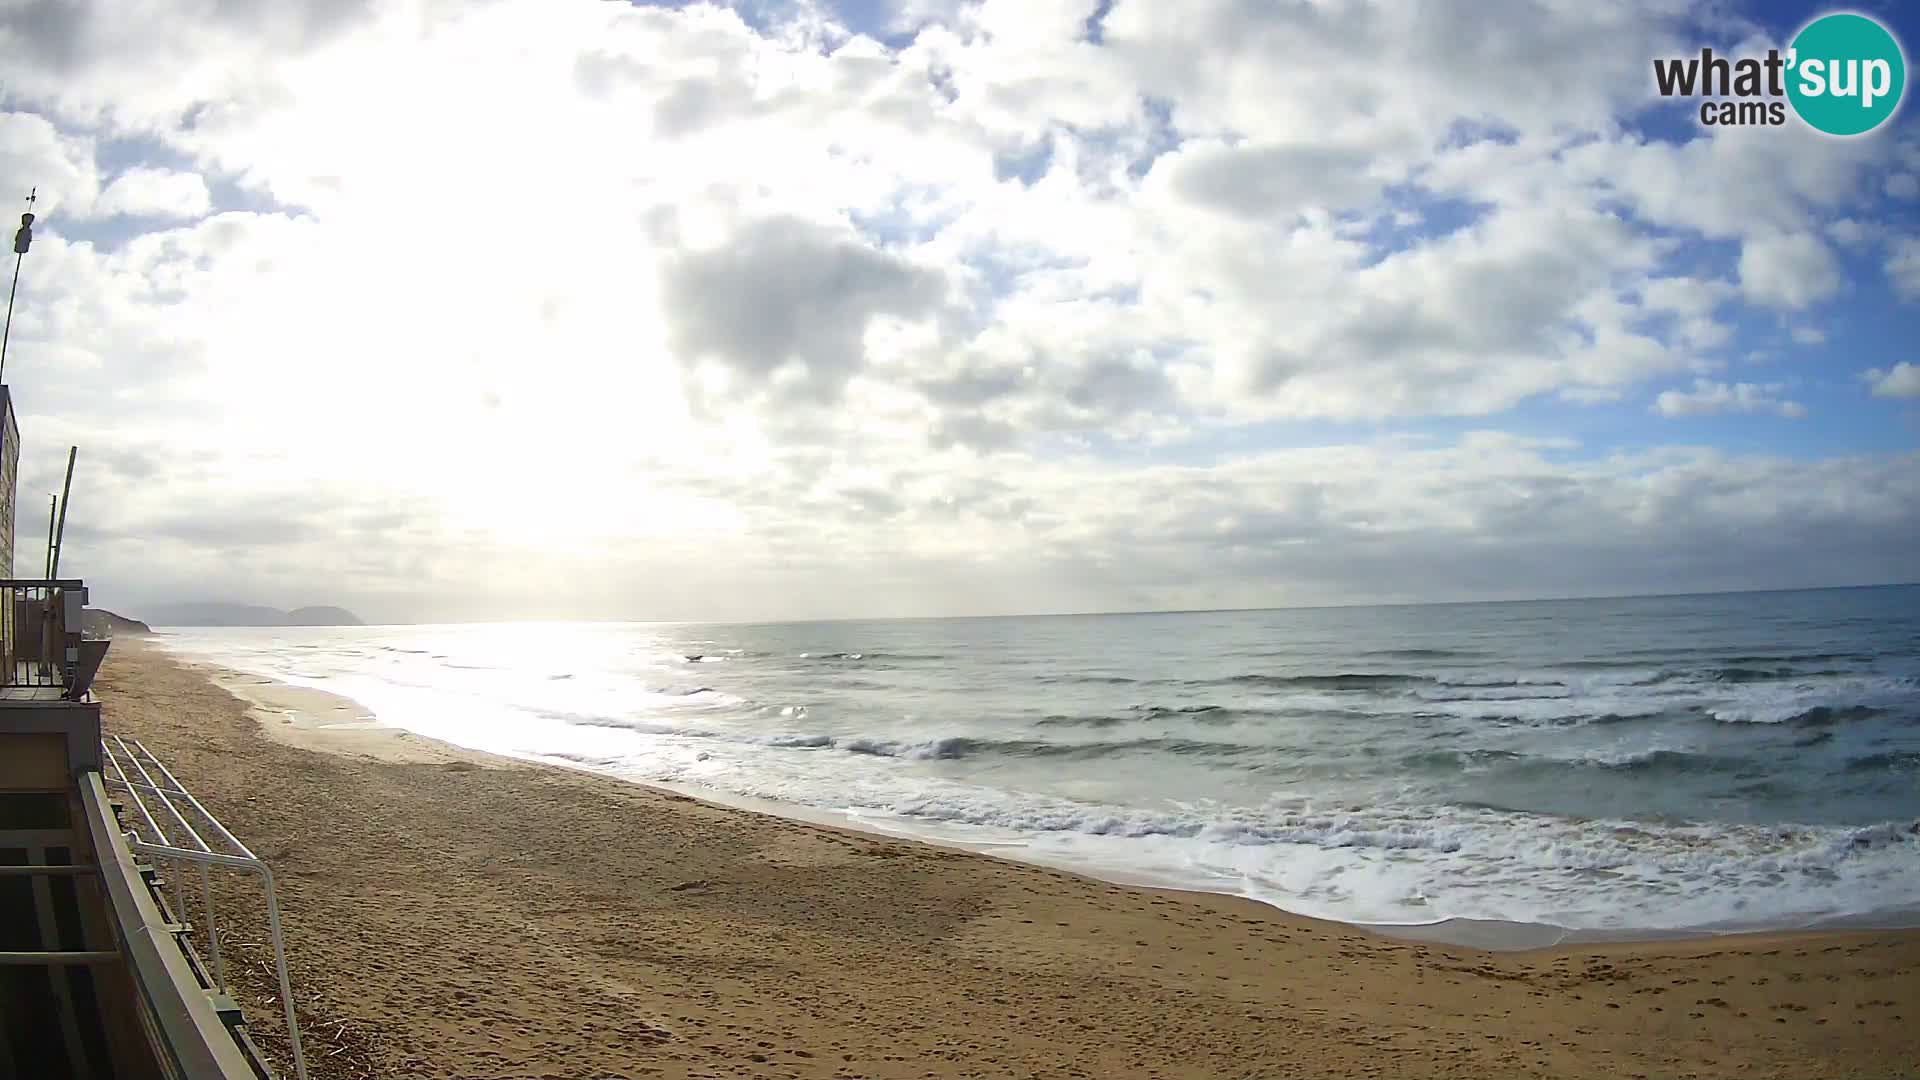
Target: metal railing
pixel 135 770
pixel 40 631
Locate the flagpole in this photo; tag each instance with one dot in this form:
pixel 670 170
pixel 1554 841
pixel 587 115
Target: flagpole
pixel 21 240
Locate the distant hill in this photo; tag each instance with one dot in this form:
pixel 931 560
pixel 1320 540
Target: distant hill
pixel 322 616
pixel 99 623
pixel 210 614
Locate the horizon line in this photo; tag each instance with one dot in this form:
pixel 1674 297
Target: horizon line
pixel 1035 614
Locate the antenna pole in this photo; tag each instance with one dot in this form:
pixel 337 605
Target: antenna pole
pixel 53 506
pixel 21 240
pixel 60 535
pixel 7 334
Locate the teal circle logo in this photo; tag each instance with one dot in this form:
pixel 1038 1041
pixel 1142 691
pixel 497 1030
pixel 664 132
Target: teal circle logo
pixel 1846 74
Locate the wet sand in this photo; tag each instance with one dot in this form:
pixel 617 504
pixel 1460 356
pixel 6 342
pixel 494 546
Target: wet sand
pixel 453 914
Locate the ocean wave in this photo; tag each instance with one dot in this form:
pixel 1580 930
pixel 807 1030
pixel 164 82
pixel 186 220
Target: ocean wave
pixel 1423 654
pixel 1090 680
pixel 1090 720
pixel 1737 675
pixel 1217 715
pixel 946 748
pixel 1502 683
pixel 1660 761
pixel 801 742
pixel 1889 762
pixel 1552 713
pixel 591 761
pixel 598 720
pixel 1794 714
pixel 1829 715
pixel 1527 842
pixel 1203 713
pixel 1796 658
pixel 1607 718
pixel 1458 759
pixel 1342 681
pixel 963 746
pixel 1452 694
pixel 886 656
pixel 1747 674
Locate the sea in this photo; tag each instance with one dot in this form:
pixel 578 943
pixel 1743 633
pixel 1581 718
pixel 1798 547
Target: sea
pixel 1650 765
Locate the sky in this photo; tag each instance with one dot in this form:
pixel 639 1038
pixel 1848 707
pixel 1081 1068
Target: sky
pixel 498 309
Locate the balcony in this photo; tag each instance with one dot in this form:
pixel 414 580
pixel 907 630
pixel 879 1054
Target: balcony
pixel 44 658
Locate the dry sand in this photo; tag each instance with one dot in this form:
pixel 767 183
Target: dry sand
pixel 452 914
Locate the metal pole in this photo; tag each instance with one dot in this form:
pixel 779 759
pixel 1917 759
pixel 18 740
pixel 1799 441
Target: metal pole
pixel 60 534
pixel 213 929
pixel 52 508
pixel 7 334
pixel 280 970
pixel 21 240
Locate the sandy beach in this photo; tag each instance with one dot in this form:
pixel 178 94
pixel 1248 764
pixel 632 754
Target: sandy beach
pixel 452 914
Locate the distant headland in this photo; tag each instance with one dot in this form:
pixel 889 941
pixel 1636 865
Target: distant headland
pixel 100 623
pixel 215 614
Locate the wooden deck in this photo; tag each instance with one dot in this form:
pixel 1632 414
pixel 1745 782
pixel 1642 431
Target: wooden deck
pixel 34 681
pixel 31 695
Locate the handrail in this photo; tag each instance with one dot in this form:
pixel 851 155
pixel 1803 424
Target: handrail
pixel 36 957
pixel 190 1031
pixel 206 885
pixel 156 845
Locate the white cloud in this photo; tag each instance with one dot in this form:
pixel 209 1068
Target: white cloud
pixel 1791 271
pixel 1708 398
pixel 1903 266
pixel 36 156
pixel 138 65
pixel 769 311
pixel 1809 335
pixel 1851 234
pixel 1269 180
pixel 1735 183
pixel 1444 71
pixel 1900 381
pixel 155 193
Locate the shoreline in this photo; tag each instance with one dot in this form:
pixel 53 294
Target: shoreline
pixel 310 717
pixel 455 913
